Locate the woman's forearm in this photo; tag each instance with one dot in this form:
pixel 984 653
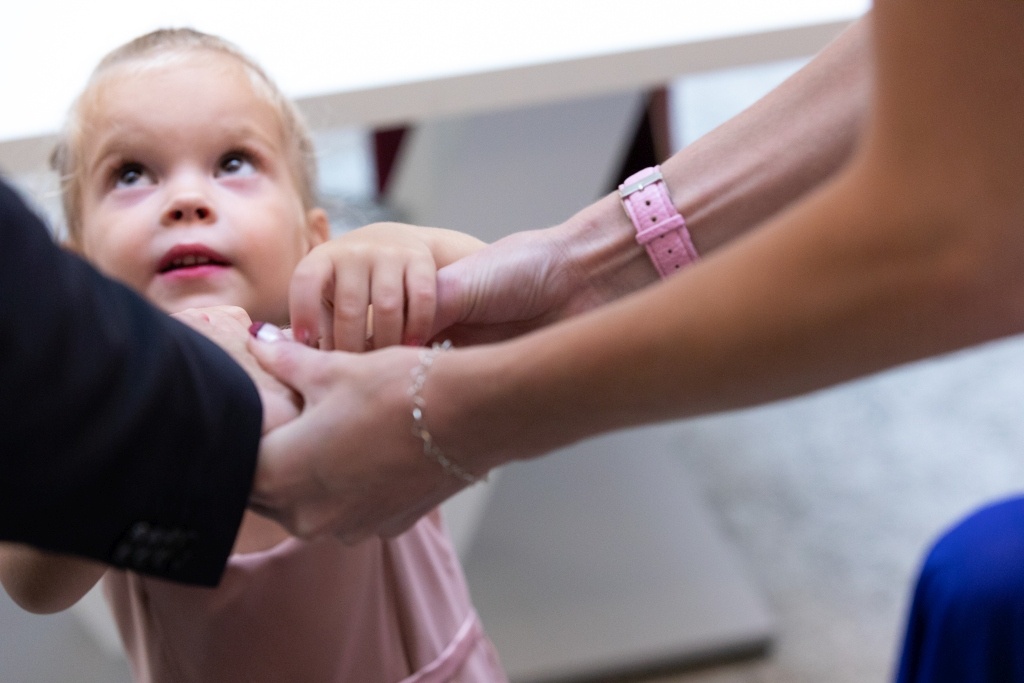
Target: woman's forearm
pixel 787 310
pixel 724 184
pixel 916 248
pixel 784 145
pixel 740 174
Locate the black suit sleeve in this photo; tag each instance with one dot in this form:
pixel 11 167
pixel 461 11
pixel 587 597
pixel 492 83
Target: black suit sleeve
pixel 125 436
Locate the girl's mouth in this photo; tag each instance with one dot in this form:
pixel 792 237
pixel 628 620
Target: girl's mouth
pixel 191 259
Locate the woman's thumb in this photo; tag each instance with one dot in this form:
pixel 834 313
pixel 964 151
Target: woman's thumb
pixel 290 362
pixel 451 297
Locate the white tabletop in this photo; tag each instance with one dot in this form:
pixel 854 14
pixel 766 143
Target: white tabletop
pixel 390 59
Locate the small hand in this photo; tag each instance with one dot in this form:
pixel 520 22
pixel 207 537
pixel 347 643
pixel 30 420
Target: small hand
pixel 228 326
pixel 386 268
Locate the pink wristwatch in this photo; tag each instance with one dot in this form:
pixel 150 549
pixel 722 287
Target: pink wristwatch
pixel 659 227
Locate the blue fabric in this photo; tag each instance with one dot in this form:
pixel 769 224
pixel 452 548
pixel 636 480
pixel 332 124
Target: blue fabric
pixel 966 622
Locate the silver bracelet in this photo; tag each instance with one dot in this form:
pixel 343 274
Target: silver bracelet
pixel 419 428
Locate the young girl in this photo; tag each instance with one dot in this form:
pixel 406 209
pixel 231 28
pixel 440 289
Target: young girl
pixel 189 176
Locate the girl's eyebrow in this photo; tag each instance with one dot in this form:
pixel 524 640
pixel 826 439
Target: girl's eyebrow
pixel 110 144
pixel 121 138
pixel 249 133
pixel 116 136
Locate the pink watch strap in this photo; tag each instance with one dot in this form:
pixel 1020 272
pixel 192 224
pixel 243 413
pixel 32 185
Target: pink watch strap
pixel 659 227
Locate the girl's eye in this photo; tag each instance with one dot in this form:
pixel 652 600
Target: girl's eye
pixel 236 164
pixel 132 175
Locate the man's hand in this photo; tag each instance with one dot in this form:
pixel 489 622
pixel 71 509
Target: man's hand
pixel 228 326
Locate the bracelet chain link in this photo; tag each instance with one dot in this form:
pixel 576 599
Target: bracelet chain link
pixel 419 427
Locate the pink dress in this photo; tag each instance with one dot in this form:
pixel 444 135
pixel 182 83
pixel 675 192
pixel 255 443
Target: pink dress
pixel 383 611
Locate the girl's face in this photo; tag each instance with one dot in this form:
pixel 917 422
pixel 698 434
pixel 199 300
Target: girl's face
pixel 188 193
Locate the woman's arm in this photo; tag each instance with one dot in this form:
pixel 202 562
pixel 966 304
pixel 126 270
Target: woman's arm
pixel 724 184
pixel 42 582
pixel 915 248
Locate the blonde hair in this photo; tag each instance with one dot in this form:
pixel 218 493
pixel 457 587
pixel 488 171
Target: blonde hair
pixel 163 47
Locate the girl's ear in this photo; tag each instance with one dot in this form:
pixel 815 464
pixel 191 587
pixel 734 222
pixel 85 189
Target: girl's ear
pixel 318 227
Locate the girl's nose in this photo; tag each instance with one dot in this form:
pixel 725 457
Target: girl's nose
pixel 190 207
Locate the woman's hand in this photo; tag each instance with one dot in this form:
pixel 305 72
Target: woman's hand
pixel 350 464
pixel 533 278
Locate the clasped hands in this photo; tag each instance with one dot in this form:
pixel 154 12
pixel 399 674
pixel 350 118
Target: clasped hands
pixel 338 455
